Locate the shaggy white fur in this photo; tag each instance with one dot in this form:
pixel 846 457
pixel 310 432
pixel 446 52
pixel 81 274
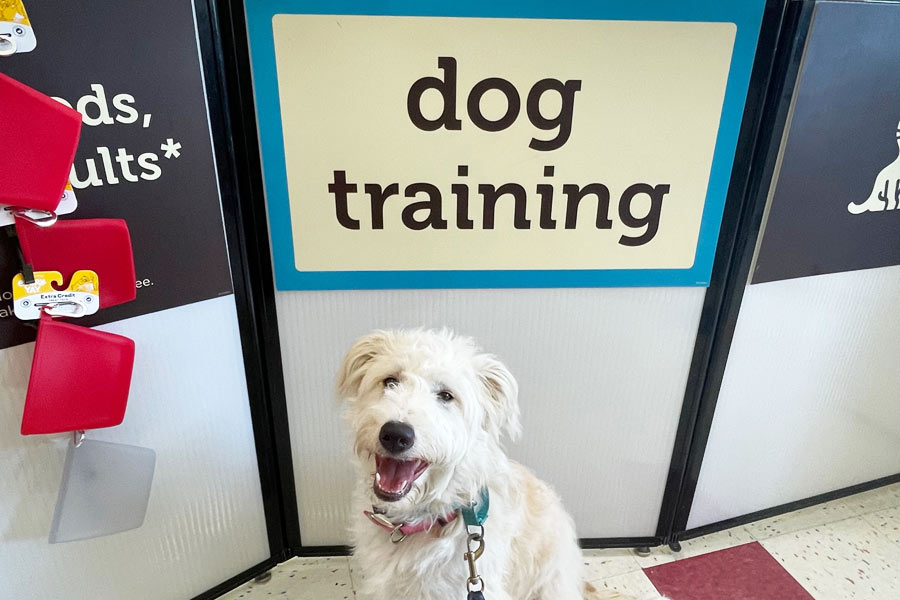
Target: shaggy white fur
pixel 459 402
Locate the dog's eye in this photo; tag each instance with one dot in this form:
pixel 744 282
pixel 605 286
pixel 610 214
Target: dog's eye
pixel 445 396
pixel 390 383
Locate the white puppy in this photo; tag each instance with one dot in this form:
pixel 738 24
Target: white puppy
pixel 428 410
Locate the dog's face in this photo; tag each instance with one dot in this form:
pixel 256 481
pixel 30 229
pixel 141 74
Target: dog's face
pixel 428 410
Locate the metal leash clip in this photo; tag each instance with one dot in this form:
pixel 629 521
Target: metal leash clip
pixel 66 308
pixel 41 218
pixel 380 519
pixel 474 583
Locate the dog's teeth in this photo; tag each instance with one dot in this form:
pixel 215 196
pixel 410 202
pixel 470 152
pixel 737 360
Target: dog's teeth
pixel 403 484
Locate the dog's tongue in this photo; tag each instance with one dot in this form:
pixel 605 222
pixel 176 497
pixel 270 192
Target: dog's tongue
pixel 394 476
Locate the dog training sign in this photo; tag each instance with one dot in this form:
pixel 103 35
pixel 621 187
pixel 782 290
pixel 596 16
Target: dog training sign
pixel 505 144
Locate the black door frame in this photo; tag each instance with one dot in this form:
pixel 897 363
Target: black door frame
pixel 245 229
pixel 721 303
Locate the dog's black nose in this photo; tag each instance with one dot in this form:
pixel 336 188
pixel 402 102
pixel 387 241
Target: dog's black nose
pixel 397 437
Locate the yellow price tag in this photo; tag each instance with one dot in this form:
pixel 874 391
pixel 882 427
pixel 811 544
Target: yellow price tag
pixel 81 298
pixel 16 33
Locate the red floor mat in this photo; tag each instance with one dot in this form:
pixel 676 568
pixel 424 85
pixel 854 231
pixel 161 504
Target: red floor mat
pixel 745 572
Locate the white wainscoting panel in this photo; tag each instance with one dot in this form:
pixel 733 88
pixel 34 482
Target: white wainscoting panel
pixel 810 402
pixel 602 374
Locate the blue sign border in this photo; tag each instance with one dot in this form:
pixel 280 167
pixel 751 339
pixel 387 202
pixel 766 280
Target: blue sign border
pixel 745 14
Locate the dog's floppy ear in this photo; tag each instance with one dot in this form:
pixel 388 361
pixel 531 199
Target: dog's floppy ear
pixel 503 391
pixel 353 368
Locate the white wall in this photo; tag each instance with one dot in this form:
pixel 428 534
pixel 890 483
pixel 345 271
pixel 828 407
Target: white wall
pixel 810 401
pixel 602 374
pixel 205 520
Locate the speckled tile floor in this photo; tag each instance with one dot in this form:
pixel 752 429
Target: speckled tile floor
pixel 842 550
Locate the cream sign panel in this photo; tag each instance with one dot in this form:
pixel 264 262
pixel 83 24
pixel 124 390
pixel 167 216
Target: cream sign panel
pixel 489 152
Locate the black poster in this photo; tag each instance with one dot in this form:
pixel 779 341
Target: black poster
pixel 132 68
pixel 836 205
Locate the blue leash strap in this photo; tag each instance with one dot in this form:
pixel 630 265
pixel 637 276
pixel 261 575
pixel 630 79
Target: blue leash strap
pixel 477 513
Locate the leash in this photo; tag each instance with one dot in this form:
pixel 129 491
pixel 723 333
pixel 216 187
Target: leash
pixel 473 516
pixel 474 584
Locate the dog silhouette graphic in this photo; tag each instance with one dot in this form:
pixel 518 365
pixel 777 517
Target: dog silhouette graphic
pixel 886 191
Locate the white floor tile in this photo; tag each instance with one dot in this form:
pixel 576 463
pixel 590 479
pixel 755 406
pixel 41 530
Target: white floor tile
pixel 601 564
pixel 356 575
pixel 887 523
pixel 658 556
pixel 806 518
pixel 634 584
pixel 841 561
pixel 325 578
pixel 875 500
pixel 715 541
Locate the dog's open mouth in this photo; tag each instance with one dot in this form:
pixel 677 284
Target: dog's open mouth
pixel 394 477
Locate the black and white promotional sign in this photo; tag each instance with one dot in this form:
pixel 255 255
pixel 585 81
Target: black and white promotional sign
pixel 836 201
pixel 132 69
